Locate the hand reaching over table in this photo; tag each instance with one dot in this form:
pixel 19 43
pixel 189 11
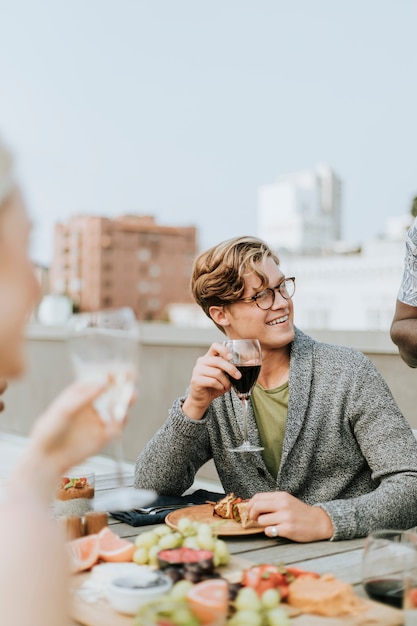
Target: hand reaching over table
pixel 68 432
pixel 283 515
pixel 3 387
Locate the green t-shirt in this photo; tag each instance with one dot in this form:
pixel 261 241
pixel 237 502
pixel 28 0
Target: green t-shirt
pixel 270 407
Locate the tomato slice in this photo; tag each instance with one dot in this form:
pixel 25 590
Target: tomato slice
pixel 297 572
pixel 412 598
pixel 263 577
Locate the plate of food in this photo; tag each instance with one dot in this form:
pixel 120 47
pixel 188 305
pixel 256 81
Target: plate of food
pixel 228 516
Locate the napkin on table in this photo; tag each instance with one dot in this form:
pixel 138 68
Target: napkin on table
pixel 143 519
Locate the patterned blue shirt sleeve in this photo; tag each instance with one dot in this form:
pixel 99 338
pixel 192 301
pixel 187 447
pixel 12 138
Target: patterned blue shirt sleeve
pixel 408 289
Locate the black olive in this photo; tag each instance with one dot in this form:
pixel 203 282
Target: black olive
pixel 193 577
pixel 234 589
pixel 175 573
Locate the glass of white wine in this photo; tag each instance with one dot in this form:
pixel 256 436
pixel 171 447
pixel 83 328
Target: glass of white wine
pixel 103 345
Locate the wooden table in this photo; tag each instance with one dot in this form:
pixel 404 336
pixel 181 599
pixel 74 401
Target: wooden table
pixel 342 558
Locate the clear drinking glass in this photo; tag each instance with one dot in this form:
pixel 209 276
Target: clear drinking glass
pixel 410 593
pixel 387 556
pixel 103 345
pixel 247 357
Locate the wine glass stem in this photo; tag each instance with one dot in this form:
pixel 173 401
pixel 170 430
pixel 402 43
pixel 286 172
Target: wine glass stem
pixel 118 459
pixel 245 418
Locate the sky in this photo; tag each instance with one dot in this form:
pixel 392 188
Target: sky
pixel 182 108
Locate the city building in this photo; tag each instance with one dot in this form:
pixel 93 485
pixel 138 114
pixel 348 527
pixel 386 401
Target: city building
pixel 126 261
pixel 352 290
pixel 301 212
pixel 348 289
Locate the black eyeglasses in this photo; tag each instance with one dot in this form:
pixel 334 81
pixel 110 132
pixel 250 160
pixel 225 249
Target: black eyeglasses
pixel 265 299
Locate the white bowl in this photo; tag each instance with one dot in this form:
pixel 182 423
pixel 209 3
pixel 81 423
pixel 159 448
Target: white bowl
pixel 128 592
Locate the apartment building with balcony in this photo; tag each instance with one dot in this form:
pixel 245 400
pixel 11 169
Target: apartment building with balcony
pixel 130 260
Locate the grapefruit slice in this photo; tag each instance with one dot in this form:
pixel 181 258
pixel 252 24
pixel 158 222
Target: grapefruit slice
pixel 113 548
pixel 83 552
pixel 209 600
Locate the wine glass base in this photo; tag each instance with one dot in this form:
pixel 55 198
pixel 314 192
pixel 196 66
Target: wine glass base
pixel 123 499
pixel 247 447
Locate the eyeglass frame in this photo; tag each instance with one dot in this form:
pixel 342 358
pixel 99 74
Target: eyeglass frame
pixel 254 298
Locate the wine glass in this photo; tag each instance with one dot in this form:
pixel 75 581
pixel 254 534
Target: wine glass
pixel 410 593
pixel 247 358
pixel 387 556
pixel 103 345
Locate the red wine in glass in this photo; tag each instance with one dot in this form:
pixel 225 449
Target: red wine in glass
pixel 247 358
pixel 386 590
pixel 244 385
pixel 387 556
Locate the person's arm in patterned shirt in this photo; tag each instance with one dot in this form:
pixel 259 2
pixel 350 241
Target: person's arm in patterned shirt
pixel 404 324
pixel 404 332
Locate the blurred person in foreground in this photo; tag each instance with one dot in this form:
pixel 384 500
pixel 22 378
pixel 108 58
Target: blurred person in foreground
pixel 404 324
pixel 339 459
pixel 33 564
pixel 3 387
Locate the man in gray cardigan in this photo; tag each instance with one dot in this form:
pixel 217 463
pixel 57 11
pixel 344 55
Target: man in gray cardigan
pixel 339 459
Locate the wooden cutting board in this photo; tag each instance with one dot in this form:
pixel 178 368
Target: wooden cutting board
pixel 100 613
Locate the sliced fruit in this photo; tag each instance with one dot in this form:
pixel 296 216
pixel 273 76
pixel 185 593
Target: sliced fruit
pixel 114 548
pixel 209 600
pixel 263 577
pixel 83 552
pixel 179 556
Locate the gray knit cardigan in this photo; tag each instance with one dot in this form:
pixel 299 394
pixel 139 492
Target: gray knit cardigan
pixel 347 447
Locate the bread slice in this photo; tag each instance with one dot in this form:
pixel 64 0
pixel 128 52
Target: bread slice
pixel 224 507
pixel 327 596
pixel 232 507
pixel 244 518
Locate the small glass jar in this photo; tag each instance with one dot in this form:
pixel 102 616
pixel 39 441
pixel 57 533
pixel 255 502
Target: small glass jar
pixel 75 495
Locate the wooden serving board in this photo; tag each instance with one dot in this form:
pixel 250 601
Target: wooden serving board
pixel 100 613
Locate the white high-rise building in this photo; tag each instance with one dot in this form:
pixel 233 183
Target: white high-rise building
pixel 301 212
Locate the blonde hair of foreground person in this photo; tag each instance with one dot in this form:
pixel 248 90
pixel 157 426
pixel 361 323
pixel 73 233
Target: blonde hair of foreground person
pixel 33 564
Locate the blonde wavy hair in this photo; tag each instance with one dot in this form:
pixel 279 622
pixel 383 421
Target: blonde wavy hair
pixel 218 276
pixel 7 181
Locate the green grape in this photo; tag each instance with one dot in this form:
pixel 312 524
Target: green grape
pixel 176 611
pixel 248 599
pixel 205 543
pixel 246 618
pixel 196 525
pixel 186 527
pixel 183 616
pixel 270 599
pixel 153 555
pixel 146 540
pixel 161 530
pixel 141 556
pixel 204 529
pixel 190 542
pixel 221 551
pixel 180 589
pixel 165 605
pixel 173 540
pixel 277 617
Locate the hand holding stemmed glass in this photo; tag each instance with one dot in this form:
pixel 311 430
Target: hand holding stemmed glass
pixel 103 347
pixel 247 358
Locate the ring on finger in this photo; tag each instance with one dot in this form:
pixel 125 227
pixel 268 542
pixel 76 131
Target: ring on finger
pixel 274 531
